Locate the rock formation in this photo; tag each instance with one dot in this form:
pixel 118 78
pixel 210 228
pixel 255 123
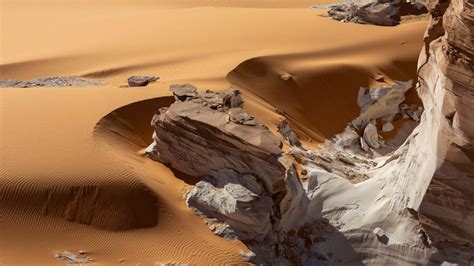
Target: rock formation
pixel 249 188
pixel 446 69
pixel 50 82
pixel 380 12
pixel 413 204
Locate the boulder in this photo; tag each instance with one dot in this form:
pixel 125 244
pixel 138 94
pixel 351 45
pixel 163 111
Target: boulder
pixel 387 127
pixel 141 81
pixel 371 136
pixel 183 91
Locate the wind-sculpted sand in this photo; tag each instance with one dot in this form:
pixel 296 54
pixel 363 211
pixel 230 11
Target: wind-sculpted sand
pixel 72 171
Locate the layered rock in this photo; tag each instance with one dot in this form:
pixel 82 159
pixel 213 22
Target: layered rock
pixel 447 88
pixel 380 12
pixel 246 183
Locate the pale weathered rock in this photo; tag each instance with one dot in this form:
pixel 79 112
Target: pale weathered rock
pixel 381 12
pixel 379 232
pixel 140 81
pixel 364 145
pixel 387 127
pixel 348 138
pixel 72 258
pixel 446 69
pixel 289 135
pixel 371 136
pixel 248 256
pixel 50 82
pixel 380 102
pixel 286 76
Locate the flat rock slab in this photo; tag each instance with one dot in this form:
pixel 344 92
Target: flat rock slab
pixel 141 81
pixel 50 82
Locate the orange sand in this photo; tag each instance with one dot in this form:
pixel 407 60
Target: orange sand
pixel 67 185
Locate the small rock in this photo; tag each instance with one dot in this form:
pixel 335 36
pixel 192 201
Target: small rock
pixel 286 77
pixel 379 232
pixel 248 256
pixel 387 127
pixel 279 111
pixel 183 91
pixel 379 78
pixel 371 136
pixel 286 131
pixel 364 145
pixel 232 98
pixel 141 81
pixel 239 116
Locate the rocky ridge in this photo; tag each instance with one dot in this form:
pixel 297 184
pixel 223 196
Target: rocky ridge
pixel 378 12
pixel 50 82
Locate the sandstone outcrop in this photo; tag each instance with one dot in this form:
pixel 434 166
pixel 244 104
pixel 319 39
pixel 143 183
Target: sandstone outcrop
pixel 446 71
pixel 247 185
pixel 379 12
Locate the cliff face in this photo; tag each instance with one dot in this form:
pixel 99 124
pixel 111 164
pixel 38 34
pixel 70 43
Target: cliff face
pixel 446 70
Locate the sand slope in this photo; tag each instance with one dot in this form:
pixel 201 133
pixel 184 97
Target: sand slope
pixel 71 171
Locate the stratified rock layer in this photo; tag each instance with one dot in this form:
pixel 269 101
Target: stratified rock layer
pixel 249 188
pixel 447 88
pixel 379 12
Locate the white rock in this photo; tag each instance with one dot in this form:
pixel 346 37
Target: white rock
pixel 364 145
pixel 379 232
pixel 387 127
pixel 371 136
pixel 286 77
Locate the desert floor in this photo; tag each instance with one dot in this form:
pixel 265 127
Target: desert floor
pixel 72 172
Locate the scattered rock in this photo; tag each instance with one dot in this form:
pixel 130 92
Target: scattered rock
pixel 232 98
pixel 371 136
pixel 380 102
pixel 73 258
pixel 280 111
pixel 379 78
pixel 379 232
pixel 248 256
pixel 239 116
pixel 348 138
pixel 377 12
pixel 364 145
pixel 141 81
pixel 286 77
pixel 289 135
pixel 184 91
pixel 50 82
pixel 387 127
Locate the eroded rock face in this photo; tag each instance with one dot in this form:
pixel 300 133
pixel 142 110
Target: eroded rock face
pixel 447 88
pixel 380 12
pixel 197 136
pixel 249 188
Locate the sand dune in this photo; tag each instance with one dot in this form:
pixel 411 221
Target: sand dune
pixel 71 170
